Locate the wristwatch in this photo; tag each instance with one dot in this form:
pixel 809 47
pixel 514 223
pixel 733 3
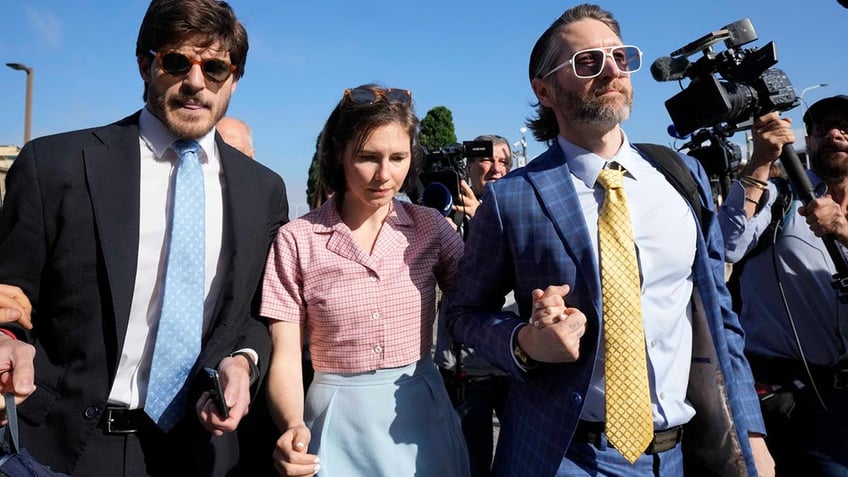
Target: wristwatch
pixel 521 356
pixel 254 370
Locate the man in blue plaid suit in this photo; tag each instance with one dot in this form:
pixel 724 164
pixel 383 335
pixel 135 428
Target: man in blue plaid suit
pixel 536 234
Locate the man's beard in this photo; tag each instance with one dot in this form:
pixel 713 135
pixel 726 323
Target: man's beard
pixel 831 165
pixel 591 109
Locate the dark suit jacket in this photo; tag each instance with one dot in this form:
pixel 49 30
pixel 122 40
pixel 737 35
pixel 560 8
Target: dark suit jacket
pixel 530 233
pixel 69 238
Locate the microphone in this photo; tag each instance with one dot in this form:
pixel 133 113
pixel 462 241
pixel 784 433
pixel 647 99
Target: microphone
pixel 672 131
pixel 666 68
pixel 437 196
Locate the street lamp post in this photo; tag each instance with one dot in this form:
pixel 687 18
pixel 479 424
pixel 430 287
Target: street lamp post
pixel 804 91
pixel 28 114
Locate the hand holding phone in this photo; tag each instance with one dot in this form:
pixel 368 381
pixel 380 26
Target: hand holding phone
pixel 216 392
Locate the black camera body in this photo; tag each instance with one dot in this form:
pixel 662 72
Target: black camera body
pixel 444 168
pixel 749 85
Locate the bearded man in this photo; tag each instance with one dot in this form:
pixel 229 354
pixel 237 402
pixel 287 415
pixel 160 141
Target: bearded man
pixel 795 323
pixel 583 387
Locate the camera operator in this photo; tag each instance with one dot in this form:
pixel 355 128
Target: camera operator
pixel 481 171
pixel 478 389
pixel 795 324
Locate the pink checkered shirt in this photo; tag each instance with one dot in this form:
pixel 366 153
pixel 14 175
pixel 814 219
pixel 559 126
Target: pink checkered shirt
pixel 361 312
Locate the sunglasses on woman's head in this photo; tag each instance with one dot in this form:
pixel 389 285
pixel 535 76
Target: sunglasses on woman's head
pixel 371 96
pixel 178 64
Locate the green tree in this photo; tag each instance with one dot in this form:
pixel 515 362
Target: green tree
pixel 437 128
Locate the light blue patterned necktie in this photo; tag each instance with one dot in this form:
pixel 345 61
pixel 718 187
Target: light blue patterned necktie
pixel 181 321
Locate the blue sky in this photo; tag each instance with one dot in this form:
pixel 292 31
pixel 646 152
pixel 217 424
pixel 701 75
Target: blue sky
pixel 468 55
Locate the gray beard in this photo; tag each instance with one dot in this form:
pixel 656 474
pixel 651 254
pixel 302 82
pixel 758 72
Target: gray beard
pixel 592 111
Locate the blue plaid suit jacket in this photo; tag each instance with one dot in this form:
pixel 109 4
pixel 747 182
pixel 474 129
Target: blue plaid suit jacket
pixel 530 233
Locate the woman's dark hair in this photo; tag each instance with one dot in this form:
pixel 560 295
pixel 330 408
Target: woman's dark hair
pixel 354 123
pixel 547 53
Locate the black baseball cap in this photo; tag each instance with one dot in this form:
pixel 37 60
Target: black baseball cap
pixel 823 106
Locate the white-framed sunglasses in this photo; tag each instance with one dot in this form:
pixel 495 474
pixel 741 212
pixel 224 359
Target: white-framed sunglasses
pixel 589 63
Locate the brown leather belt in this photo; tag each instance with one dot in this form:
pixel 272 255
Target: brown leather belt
pixel 667 439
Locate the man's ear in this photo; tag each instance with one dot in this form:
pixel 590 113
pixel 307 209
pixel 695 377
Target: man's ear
pixel 144 64
pixel 544 92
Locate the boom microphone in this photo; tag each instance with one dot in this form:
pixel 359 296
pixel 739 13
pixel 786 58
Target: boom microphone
pixel 666 68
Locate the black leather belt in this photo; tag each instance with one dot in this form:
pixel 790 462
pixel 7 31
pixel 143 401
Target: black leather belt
pixel 120 420
pixel 591 432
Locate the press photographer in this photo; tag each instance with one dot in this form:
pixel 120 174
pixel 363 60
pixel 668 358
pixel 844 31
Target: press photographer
pixel 445 177
pixel 795 322
pixel 482 170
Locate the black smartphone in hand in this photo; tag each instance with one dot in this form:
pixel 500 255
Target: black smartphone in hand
pixel 217 392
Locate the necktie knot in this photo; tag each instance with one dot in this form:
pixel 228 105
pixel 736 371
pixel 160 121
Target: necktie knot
pixel 185 146
pixel 611 178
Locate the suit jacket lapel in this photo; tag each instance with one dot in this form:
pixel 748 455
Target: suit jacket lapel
pixel 113 172
pixel 551 178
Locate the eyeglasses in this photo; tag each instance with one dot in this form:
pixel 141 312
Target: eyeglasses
pixel 589 63
pixel 821 129
pixel 178 64
pixel 370 96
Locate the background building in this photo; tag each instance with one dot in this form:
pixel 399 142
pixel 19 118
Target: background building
pixel 7 156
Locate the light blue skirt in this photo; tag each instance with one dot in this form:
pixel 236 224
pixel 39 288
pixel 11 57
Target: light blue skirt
pixel 390 422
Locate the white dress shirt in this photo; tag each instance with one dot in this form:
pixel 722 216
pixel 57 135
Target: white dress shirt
pixel 158 165
pixel 665 233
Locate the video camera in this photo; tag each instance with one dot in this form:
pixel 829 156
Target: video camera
pixel 444 168
pixel 750 87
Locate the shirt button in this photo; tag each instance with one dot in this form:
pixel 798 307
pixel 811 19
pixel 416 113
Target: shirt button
pixel 378 349
pixel 375 315
pixel 373 278
pixel 653 344
pixel 662 395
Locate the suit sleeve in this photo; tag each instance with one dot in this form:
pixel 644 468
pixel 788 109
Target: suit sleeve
pixel 474 313
pixel 255 335
pixel 22 231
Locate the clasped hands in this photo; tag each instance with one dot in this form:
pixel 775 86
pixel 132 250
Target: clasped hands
pixel 555 329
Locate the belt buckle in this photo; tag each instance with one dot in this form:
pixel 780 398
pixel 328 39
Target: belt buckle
pixel 113 425
pixel 665 440
pixel 840 379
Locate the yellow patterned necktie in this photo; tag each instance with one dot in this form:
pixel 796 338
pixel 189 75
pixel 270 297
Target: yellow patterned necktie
pixel 629 422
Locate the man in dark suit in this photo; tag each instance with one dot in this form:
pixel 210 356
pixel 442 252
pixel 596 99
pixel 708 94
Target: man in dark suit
pixel 538 232
pixel 91 231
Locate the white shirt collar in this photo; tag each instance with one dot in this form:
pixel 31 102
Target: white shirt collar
pixel 159 139
pixel 586 165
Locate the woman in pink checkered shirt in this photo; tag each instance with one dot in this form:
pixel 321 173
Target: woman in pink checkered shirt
pixel 358 278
